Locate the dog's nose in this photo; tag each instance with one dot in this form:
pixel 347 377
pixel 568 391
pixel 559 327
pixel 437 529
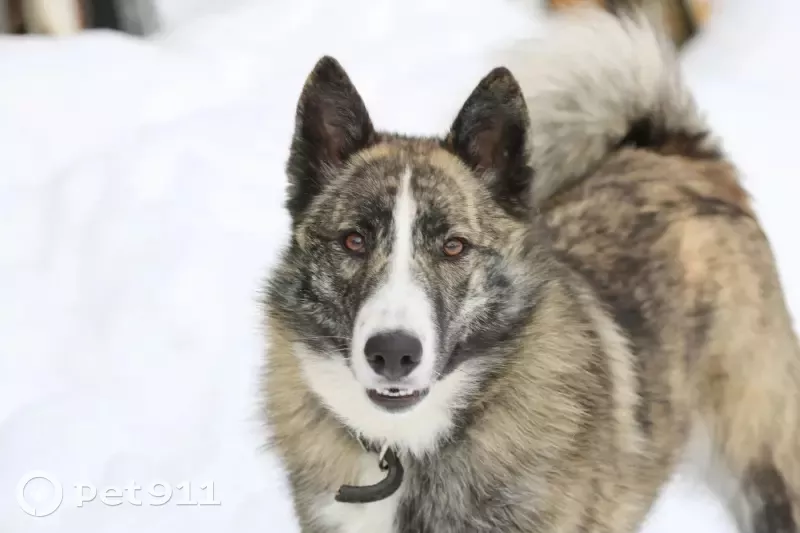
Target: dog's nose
pixel 394 354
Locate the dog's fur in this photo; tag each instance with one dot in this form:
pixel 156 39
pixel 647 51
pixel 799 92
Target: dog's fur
pixel 616 309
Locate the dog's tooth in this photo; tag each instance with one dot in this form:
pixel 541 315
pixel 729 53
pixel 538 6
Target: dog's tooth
pixel 395 392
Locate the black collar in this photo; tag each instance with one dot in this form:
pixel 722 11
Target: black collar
pixel 387 462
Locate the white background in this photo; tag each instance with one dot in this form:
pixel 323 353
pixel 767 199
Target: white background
pixel 141 194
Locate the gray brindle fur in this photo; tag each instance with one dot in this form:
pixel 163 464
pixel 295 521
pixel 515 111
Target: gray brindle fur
pixel 612 309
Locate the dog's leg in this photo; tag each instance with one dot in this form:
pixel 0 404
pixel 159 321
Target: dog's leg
pixel 770 499
pixel 745 369
pixel 767 466
pixel 757 428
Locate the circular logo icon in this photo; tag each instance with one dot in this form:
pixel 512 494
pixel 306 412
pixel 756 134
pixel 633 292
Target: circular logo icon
pixel 39 494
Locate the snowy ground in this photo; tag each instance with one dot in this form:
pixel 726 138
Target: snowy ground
pixel 141 198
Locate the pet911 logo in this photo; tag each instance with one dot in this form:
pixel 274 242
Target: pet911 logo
pixel 40 494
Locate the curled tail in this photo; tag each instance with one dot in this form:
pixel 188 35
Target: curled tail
pixel 595 82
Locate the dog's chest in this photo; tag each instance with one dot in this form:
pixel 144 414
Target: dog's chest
pixel 376 517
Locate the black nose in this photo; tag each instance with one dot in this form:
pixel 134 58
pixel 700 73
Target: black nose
pixel 393 354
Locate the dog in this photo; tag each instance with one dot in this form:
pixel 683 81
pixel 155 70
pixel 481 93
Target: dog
pixel 528 324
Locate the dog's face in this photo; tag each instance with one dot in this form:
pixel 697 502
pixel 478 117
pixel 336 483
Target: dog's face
pixel 410 263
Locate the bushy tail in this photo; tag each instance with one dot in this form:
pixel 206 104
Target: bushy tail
pixel 597 81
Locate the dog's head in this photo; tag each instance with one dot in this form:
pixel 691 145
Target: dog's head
pixel 409 271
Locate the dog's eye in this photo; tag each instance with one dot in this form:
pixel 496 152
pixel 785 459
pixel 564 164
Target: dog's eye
pixel 454 247
pixel 355 242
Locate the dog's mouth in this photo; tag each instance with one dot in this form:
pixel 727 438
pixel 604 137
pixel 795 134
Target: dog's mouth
pixel 395 399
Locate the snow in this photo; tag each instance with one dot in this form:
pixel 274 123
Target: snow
pixel 141 199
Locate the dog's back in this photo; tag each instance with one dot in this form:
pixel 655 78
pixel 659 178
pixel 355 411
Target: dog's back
pixel 661 228
pixel 682 264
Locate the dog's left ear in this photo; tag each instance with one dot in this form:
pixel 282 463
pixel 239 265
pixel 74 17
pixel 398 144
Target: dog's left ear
pixel 490 135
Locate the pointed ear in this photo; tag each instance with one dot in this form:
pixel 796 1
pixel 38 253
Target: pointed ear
pixel 331 125
pixel 490 134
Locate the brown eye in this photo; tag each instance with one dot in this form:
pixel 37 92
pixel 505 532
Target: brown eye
pixel 355 242
pixel 454 247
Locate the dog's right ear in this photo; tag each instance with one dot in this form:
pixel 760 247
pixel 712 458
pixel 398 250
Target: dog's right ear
pixel 331 125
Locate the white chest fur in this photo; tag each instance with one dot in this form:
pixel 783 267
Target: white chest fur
pixel 377 517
